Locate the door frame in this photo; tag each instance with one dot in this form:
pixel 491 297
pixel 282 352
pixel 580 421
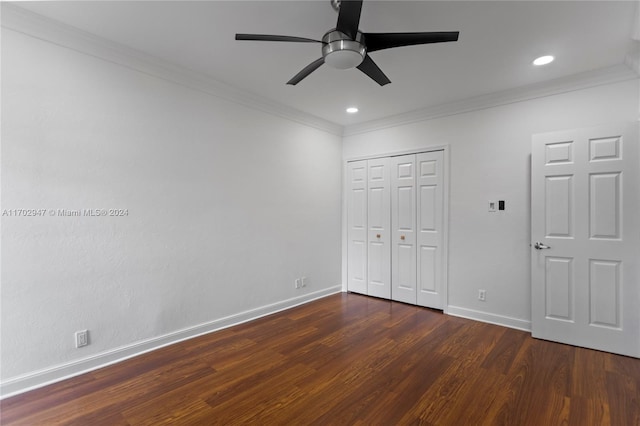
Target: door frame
pixel 445 211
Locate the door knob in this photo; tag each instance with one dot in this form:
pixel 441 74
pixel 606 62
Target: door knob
pixel 377 235
pixel 540 246
pixel 402 237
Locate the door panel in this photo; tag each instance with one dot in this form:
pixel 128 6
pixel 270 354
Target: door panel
pixel 428 208
pixel 604 149
pixel 559 206
pixel 376 261
pixel 430 223
pixel 357 227
pixel 403 224
pixel 604 286
pixel 604 205
pixel 359 206
pixel 358 254
pixel 405 265
pixel 559 288
pixel 406 213
pixel 428 268
pixel 585 203
pixel 377 204
pixel 378 234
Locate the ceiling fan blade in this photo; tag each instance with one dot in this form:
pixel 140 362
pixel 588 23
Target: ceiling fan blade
pixel 306 71
pixel 267 37
pixel 349 17
pixel 371 69
pixel 379 41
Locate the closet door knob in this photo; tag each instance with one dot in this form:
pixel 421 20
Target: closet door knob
pixel 402 237
pixel 377 235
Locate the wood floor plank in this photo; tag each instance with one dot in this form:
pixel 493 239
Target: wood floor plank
pixel 538 385
pixel 585 411
pixel 348 360
pixel 472 401
pixel 501 357
pixel 624 398
pixel 589 375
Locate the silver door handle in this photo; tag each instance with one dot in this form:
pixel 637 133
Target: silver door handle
pixel 540 246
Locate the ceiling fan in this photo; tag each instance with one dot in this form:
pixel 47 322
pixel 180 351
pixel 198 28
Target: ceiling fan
pixel 346 47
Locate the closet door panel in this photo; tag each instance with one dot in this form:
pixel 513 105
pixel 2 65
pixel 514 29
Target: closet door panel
pixel 429 234
pixel 378 234
pixel 403 228
pixel 357 227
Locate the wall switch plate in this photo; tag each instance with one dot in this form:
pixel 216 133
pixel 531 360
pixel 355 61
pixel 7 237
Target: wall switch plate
pixel 82 338
pixel 482 295
pixel 492 206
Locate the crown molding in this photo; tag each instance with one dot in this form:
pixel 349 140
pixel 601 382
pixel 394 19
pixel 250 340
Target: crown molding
pixel 609 75
pixel 23 21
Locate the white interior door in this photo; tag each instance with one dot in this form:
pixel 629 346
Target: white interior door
pixel 586 244
pixel 357 226
pixel 403 228
pixel 378 223
pixel 429 170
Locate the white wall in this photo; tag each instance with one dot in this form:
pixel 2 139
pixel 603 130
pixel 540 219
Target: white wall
pixel 227 205
pixel 490 160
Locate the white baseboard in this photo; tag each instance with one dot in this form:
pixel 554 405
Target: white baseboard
pixel 37 379
pixel 517 323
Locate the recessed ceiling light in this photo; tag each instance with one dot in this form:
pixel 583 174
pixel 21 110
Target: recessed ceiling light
pixel 352 110
pixel 543 60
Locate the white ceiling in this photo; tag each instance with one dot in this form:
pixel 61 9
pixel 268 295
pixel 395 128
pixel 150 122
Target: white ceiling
pixel 498 40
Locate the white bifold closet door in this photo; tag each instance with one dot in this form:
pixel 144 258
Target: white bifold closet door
pixel 378 223
pixel 357 227
pixel 430 229
pixel 368 251
pixel 395 228
pixel 403 228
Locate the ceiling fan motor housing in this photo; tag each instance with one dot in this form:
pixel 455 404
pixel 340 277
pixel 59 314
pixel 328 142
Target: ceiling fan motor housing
pixel 341 52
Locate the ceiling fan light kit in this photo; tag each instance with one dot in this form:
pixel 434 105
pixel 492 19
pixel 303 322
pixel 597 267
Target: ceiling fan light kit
pixel 341 52
pixel 346 47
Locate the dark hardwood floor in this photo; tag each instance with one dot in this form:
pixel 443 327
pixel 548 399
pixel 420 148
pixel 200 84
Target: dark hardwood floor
pixel 349 360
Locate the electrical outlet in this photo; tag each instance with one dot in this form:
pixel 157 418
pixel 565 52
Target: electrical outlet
pixel 304 281
pixel 482 295
pixel 82 338
pixel 298 283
